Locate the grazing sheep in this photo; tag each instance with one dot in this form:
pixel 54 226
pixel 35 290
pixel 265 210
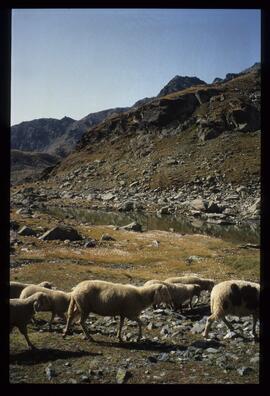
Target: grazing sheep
pixel 17 287
pixel 179 292
pixel 234 297
pixel 22 311
pixel 113 299
pixel 205 284
pixel 59 300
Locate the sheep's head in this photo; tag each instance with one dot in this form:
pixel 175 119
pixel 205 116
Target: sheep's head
pixel 46 284
pixel 162 294
pixel 42 302
pixel 210 285
pixel 197 290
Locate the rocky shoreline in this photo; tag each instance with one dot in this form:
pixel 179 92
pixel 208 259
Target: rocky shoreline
pixel 208 199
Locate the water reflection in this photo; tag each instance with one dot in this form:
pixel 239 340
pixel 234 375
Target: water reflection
pixel 238 233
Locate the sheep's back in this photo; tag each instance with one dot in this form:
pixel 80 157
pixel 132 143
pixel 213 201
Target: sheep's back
pixel 106 299
pixel 235 297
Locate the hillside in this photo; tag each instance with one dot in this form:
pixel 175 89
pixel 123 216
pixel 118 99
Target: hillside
pixel 200 131
pixel 53 136
pixel 26 165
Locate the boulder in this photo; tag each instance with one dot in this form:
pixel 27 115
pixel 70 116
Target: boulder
pixel 133 227
pixel 199 204
pixel 61 232
pixel 106 237
pixel 27 231
pixel 107 197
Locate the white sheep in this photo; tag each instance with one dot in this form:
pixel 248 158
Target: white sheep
pixel 180 293
pixel 22 311
pixel 206 284
pixel 113 299
pixel 234 297
pixel 17 287
pixel 59 300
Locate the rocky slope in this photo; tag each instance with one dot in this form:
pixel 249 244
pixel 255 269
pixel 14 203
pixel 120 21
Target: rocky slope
pixel 53 136
pixel 25 165
pixel 202 143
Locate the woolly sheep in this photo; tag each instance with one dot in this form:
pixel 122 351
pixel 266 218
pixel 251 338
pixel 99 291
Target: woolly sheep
pixel 17 287
pixel 205 284
pixel 234 297
pixel 22 311
pixel 180 293
pixel 113 299
pixel 59 300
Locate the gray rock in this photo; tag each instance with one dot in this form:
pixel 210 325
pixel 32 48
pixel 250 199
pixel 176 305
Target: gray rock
pixel 197 328
pixel 199 204
pixel 211 350
pixel 122 375
pixel 90 244
pixel 244 370
pixel 255 359
pixel 50 372
pixel 27 231
pixel 61 232
pixel 106 237
pixel 107 197
pixel 132 227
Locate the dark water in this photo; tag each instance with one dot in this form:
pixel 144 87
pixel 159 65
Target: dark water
pixel 236 233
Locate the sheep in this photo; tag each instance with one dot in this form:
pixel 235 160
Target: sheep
pixel 59 300
pixel 179 292
pixel 17 287
pixel 234 297
pixel 22 311
pixel 206 284
pixel 113 299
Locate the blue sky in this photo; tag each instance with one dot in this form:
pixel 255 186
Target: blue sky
pixel 72 62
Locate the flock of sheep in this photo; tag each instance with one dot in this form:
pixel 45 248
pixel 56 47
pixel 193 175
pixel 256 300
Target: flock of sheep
pixel 235 297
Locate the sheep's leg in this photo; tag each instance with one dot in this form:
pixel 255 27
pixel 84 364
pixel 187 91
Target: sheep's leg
pixel 255 318
pixel 208 325
pixel 140 329
pixel 190 303
pixel 23 330
pixel 196 302
pixel 120 328
pixel 71 316
pixel 51 320
pixel 228 324
pixel 83 326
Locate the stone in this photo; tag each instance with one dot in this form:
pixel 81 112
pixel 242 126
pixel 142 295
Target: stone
pixel 27 231
pixel 197 328
pixel 199 204
pixel 107 197
pixel 255 359
pixel 61 232
pixel 90 244
pixel 211 350
pixel 50 372
pixel 133 227
pixel 164 210
pixel 106 237
pixel 244 370
pixel 122 375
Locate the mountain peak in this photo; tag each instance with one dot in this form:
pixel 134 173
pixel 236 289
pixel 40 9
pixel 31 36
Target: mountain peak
pixel 178 83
